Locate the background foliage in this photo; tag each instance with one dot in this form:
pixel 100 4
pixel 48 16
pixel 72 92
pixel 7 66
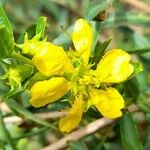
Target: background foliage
pixel 127 26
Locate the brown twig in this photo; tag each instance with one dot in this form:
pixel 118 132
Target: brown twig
pixel 52 115
pixel 138 5
pixel 89 129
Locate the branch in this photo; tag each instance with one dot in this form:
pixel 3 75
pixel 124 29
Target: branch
pixel 89 129
pixel 78 134
pixel 138 5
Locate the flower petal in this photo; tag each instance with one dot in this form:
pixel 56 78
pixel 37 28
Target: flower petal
pixel 72 120
pixel 82 38
pixel 31 47
pixel 109 102
pixel 114 67
pixel 48 91
pixel 51 60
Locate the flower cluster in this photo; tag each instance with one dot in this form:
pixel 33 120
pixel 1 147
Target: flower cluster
pixel 71 71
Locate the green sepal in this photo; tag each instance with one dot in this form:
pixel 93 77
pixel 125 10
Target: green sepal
pixel 16 91
pixel 137 67
pixel 17 77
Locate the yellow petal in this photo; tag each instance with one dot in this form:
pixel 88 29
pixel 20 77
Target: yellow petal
pixel 31 47
pixel 52 59
pixel 48 91
pixel 114 67
pixel 82 38
pixel 72 120
pixel 109 102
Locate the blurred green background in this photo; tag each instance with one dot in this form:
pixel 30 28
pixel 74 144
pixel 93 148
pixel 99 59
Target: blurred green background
pixel 129 27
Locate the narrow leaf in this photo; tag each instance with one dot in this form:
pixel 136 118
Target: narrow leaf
pixel 4 21
pixel 40 27
pixel 98 52
pixel 96 27
pixel 6 43
pixel 129 134
pixel 96 7
pixel 64 39
pixel 143 103
pixel 117 19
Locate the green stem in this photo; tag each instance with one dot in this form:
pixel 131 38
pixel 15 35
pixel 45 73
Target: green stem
pixel 22 58
pixel 5 132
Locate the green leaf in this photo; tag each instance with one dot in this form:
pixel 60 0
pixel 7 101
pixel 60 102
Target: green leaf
pixel 96 27
pixel 4 21
pixel 64 39
pixel 132 88
pixel 21 110
pixel 40 27
pixel 6 36
pixel 133 42
pixel 6 43
pixel 129 134
pixel 143 103
pixel 98 52
pixel 143 81
pixel 76 145
pixel 117 19
pixel 96 7
pixel 31 32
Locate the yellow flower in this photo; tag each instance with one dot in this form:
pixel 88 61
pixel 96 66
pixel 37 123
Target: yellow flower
pixel 82 38
pixel 52 60
pixel 48 91
pixel 114 67
pixel 72 120
pixel 109 102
